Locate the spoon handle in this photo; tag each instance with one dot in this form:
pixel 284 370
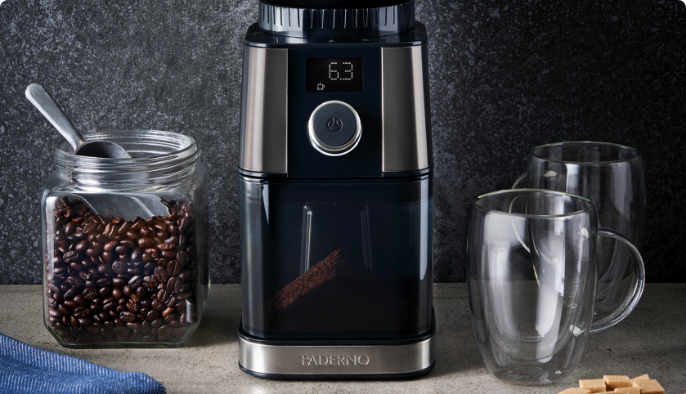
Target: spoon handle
pixel 47 106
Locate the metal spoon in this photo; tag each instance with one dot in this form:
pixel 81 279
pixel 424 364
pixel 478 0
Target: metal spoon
pixel 124 205
pixel 47 106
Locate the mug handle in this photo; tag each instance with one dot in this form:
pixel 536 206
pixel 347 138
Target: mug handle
pixel 635 295
pixel 518 180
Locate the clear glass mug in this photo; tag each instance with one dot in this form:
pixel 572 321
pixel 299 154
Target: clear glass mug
pixel 611 176
pixel 532 279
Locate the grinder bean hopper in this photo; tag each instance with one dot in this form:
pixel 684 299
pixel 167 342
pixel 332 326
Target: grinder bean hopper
pixel 335 192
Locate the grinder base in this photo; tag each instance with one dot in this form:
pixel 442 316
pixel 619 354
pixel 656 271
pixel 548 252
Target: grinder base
pixel 336 359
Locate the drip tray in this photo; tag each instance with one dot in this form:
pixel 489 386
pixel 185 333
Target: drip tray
pixel 336 359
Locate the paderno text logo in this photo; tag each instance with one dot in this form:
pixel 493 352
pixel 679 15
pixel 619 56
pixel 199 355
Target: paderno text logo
pixel 334 360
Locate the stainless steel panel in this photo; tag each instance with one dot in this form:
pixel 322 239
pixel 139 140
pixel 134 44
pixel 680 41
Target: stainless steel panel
pixel 406 124
pixel 264 116
pixel 330 360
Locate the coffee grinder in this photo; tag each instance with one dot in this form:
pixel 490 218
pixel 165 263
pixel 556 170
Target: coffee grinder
pixel 335 192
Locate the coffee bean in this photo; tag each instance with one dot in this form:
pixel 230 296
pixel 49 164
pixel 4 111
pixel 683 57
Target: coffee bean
pixel 104 268
pixel 79 299
pixel 110 246
pixel 133 326
pixel 156 323
pixel 53 312
pixel 81 246
pixel 105 292
pixel 127 316
pixel 134 271
pixel 173 268
pixel 183 258
pixel 133 306
pixel 70 228
pixel 69 294
pixel 124 228
pixel 109 303
pixel 135 282
pixel 152 315
pixel 117 293
pixel 142 292
pixel 185 275
pixel 146 232
pixel 166 246
pixel 146 242
pixel 184 225
pixel 70 304
pixel 90 293
pixel 119 267
pixel 174 285
pixel 150 282
pixel 81 311
pixel 128 290
pixel 118 282
pixel 170 301
pixel 163 295
pixel 71 256
pixel 158 305
pixel 164 330
pixel 161 274
pixel 129 243
pixel 167 312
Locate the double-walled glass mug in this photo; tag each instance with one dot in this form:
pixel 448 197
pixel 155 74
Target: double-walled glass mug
pixel 124 246
pixel 532 279
pixel 611 176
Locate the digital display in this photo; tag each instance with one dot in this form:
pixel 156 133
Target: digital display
pixel 335 74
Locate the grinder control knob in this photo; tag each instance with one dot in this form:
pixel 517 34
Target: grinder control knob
pixel 334 128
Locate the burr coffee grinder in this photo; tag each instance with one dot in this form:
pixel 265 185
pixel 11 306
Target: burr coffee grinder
pixel 335 192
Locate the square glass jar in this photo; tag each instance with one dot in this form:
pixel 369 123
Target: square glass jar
pixel 125 258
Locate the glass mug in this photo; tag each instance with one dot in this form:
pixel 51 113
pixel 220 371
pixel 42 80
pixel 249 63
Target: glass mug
pixel 611 176
pixel 532 279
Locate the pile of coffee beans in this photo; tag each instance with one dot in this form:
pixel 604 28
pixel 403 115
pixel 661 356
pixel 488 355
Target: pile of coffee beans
pixel 116 280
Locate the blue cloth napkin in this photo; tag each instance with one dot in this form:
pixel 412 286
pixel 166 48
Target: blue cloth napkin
pixel 26 369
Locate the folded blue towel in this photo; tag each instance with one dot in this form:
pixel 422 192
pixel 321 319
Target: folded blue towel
pixel 26 369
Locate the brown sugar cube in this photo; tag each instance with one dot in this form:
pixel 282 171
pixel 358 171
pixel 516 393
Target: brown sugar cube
pixel 642 377
pixel 595 385
pixel 575 390
pixel 649 386
pixel 628 390
pixel 614 381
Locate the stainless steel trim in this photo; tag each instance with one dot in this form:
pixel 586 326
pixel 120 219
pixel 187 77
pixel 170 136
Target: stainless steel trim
pixel 264 111
pixel 405 120
pixel 332 360
pixel 334 150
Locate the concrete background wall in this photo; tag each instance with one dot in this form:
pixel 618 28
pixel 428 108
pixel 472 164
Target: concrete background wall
pixel 505 77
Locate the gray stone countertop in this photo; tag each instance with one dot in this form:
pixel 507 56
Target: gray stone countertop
pixel 651 340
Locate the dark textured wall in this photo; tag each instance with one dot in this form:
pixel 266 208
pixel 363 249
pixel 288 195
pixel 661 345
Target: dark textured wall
pixel 505 77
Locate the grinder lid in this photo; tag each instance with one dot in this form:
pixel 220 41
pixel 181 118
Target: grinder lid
pixel 336 18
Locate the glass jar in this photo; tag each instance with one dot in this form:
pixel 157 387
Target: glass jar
pixel 123 243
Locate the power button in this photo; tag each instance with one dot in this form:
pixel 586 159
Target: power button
pixel 334 128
